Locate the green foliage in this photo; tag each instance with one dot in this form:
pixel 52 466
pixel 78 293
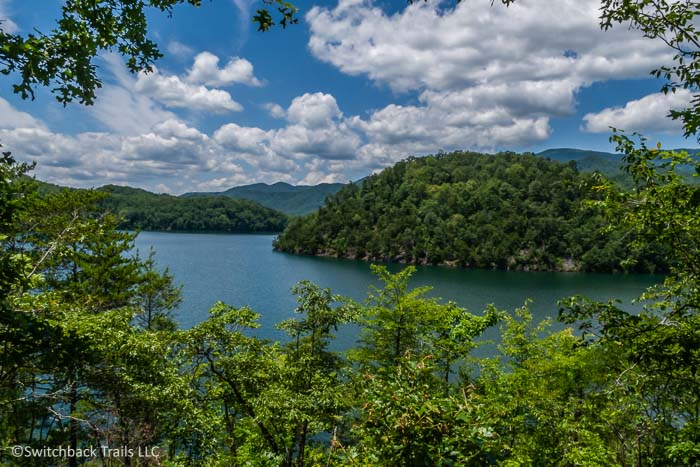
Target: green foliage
pixel 89 355
pixel 658 349
pixel 292 200
pixel 155 296
pixel 395 320
pixel 11 206
pixel 405 419
pixel 142 210
pixel 71 362
pixel 63 59
pixel 506 211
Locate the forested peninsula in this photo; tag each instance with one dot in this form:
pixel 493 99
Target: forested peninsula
pixel 139 209
pixel 92 355
pixel 505 211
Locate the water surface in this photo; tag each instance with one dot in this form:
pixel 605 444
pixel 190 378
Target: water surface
pixel 243 270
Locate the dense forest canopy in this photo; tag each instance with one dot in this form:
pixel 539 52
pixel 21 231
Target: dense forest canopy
pixel 506 211
pixel 91 356
pixel 293 200
pixel 142 210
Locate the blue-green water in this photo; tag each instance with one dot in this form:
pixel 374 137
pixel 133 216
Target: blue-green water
pixel 243 270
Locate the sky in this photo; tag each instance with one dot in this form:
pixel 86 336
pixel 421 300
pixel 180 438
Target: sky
pixel 354 87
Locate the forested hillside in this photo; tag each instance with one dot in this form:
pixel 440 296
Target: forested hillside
pixel 505 211
pixel 140 209
pixel 93 362
pixel 290 199
pixel 609 164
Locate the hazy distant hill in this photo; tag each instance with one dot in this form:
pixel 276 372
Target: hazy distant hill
pixel 290 199
pixel 606 163
pixel 569 154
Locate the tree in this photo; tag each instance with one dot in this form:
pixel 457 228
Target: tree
pixel 155 296
pixel 658 349
pixel 12 201
pixel 395 320
pixel 63 58
pixel 311 379
pixel 71 362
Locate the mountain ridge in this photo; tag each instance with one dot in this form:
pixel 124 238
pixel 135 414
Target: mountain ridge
pixel 281 196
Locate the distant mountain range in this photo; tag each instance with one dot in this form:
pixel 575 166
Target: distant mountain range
pixel 142 210
pixel 299 200
pixel 289 199
pixel 569 154
pixel 607 163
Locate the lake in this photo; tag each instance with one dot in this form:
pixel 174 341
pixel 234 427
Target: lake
pixel 243 270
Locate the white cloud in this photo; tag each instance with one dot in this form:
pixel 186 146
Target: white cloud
pixel 119 108
pixel 489 77
pixel 205 70
pixel 124 112
pixel 133 105
pixel 242 139
pixel 6 23
pixel 316 129
pixel 399 131
pixel 646 115
pixel 336 141
pixel 474 43
pixel 179 50
pixel 275 110
pixel 13 118
pixel 313 110
pixel 169 153
pixel 173 92
pixel 172 152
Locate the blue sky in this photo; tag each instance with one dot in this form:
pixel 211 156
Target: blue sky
pixel 353 88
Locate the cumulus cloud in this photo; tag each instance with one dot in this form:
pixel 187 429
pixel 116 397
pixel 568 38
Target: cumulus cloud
pixel 487 77
pixel 315 130
pixel 275 110
pixel 13 118
pixel 426 47
pixel 122 111
pixel 173 92
pixel 168 155
pixel 131 105
pixel 313 110
pixel 335 141
pixel 254 146
pixel 249 140
pixel 646 115
pixel 205 70
pixel 172 153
